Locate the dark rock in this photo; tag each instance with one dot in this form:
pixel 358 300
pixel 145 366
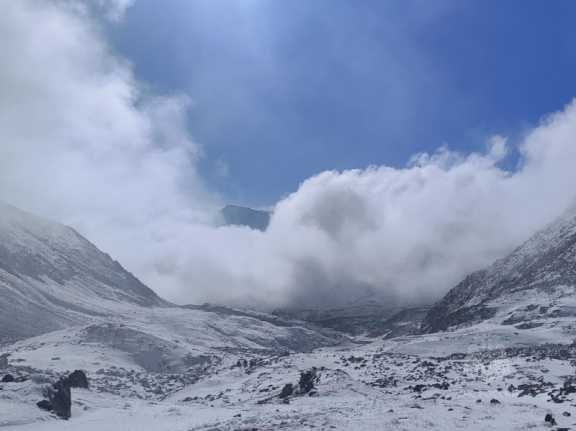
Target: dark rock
pixel 287 390
pixel 8 378
pixel 307 380
pixel 44 405
pixel 418 388
pixel 566 414
pixel 549 419
pixel 59 395
pixel 78 379
pixel 495 401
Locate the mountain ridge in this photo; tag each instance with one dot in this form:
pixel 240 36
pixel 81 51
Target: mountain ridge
pixel 543 265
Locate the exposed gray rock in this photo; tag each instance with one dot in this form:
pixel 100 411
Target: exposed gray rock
pixel 59 397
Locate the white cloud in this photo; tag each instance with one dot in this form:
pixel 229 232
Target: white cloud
pixel 80 142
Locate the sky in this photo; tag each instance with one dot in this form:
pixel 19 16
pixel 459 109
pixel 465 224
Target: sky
pixel 284 90
pixel 401 144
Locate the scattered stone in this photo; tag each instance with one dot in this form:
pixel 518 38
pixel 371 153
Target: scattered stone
pixel 549 419
pixel 8 378
pixel 44 405
pixel 494 401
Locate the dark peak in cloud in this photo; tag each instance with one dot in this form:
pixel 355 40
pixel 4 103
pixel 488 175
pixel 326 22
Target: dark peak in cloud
pixel 235 215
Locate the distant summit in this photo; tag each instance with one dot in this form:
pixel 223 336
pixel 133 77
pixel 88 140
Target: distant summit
pixel 242 216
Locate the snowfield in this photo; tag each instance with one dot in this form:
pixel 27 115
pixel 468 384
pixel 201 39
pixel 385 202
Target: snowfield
pixel 453 383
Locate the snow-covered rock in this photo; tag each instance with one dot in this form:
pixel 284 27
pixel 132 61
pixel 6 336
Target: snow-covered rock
pixel 535 285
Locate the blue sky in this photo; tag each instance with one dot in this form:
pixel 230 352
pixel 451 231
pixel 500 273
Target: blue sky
pixel 282 90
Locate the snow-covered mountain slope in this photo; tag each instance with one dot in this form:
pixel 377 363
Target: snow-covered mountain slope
pixel 51 277
pixel 535 285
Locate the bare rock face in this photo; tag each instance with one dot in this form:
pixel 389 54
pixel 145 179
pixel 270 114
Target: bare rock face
pixel 541 269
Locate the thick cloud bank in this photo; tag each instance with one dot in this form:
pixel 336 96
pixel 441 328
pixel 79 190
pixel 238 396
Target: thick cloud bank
pixel 81 141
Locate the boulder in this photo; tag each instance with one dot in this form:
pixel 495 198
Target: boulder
pixel 78 379
pixel 8 378
pixel 287 390
pixel 60 397
pixel 45 405
pixel 308 380
pixel 549 419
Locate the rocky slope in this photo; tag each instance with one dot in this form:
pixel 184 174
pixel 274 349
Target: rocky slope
pixel 535 285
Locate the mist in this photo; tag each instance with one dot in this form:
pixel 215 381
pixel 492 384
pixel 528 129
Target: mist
pixel 83 142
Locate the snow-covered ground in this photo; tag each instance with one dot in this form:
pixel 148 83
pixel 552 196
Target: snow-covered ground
pixel 437 381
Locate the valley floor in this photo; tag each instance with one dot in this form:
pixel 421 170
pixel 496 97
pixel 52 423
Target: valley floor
pixel 427 382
